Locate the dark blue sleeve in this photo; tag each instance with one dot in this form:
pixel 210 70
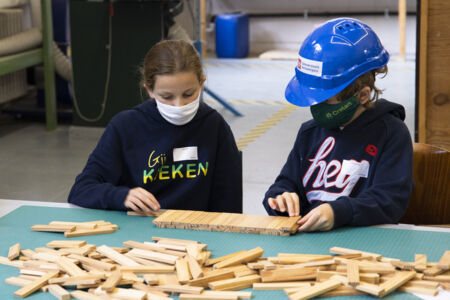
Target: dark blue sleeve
pixel 96 186
pixel 386 199
pixel 226 192
pixel 289 180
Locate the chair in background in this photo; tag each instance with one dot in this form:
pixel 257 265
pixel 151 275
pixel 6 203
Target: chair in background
pixel 430 199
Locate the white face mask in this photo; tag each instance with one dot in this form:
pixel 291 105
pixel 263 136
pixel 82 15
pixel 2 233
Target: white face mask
pixel 178 115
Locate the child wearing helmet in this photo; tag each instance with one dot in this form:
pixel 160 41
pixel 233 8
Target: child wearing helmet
pixel 352 164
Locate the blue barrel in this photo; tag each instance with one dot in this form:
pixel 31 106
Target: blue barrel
pixel 232 35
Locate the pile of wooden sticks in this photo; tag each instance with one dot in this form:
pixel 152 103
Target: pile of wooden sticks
pixel 162 267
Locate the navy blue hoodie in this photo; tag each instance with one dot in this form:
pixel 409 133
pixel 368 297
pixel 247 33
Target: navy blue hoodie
pixel 364 171
pixel 195 166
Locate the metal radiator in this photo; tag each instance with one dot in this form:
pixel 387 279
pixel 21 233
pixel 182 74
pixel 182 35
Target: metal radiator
pixel 12 85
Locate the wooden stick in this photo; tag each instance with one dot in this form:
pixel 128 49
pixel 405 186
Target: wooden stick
pixel 78 225
pixel 235 283
pixel 116 256
pixel 392 284
pixel 444 262
pixel 65 244
pixel 110 284
pixel 247 256
pixel 14 251
pixel 147 269
pixel 151 279
pixel 203 281
pixel 280 275
pixel 240 294
pixel 35 285
pixel 194 267
pixel 69 267
pixel 418 290
pixel 340 250
pixel 179 289
pixel 208 297
pixel 420 262
pixel 353 273
pixel 182 268
pixel 53 228
pixel 213 261
pixel 85 295
pixel 84 232
pixel 94 262
pixel 369 288
pixel 17 281
pixel 280 285
pixel 155 256
pixel 58 292
pixel 316 290
pixel 342 291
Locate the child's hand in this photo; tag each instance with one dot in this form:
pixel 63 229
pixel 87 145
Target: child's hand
pixel 286 201
pixel 320 218
pixel 139 199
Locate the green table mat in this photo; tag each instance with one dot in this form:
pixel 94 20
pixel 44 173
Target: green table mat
pixel 395 243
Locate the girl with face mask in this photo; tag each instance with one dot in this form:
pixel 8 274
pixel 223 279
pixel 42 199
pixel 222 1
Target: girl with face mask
pixel 171 152
pixel 352 164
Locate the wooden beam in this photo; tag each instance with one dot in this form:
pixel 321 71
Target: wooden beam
pixel 155 256
pixel 116 256
pixel 316 290
pixel 444 262
pixel 294 274
pixel 65 244
pixel 182 267
pixel 345 251
pixel 420 262
pixel 247 256
pixel 194 267
pixel 35 285
pixel 203 281
pixel 235 283
pixel 353 273
pixel 397 281
pixel 280 285
pixel 58 292
pixel 14 251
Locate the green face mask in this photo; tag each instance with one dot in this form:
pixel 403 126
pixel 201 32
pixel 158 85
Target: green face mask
pixel 332 116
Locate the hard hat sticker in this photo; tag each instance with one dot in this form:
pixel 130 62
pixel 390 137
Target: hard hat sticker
pixel 308 66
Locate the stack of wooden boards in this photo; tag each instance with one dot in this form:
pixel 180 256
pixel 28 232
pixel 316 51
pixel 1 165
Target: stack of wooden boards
pixel 154 270
pixel 75 229
pixel 228 222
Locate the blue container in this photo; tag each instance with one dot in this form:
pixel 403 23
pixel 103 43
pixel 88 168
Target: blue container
pixel 232 35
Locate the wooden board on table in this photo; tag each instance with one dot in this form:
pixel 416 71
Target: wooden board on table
pixel 227 222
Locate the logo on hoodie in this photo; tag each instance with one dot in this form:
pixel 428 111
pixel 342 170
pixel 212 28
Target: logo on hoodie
pixel 335 178
pixel 158 167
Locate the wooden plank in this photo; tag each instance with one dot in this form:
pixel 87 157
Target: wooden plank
pixel 110 284
pixel 7 262
pixel 342 291
pixel 420 262
pixel 116 256
pixel 78 225
pixel 93 262
pixel 422 283
pixel 366 277
pixel 155 256
pixel 75 280
pixel 418 290
pixel 69 267
pixel 154 213
pixel 14 251
pixel 372 289
pixel 58 292
pixel 294 274
pixel 35 285
pixel 235 283
pixel 407 266
pixel 85 295
pixel 207 297
pixel 353 273
pixel 203 281
pixel 194 267
pixel 121 293
pixel 280 285
pixel 151 279
pixel 213 261
pixel 247 256
pixel 397 281
pixel 316 290
pixel 17 281
pixel 344 251
pixel 84 232
pixel 439 278
pixel 433 271
pixel 182 268
pixel 150 246
pixel 240 294
pixel 147 269
pixel 179 289
pixel 444 262
pixel 53 228
pixel 65 244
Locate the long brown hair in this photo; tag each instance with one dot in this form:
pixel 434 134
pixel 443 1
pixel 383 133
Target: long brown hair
pixel 170 57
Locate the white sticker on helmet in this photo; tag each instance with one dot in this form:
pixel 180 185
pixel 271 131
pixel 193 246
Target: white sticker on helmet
pixel 308 66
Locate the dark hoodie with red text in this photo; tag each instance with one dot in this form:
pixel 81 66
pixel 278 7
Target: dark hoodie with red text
pixel 364 171
pixel 195 166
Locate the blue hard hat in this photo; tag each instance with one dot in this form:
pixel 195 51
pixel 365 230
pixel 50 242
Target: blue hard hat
pixel 331 58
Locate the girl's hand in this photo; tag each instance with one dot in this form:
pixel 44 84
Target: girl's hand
pixel 139 199
pixel 320 218
pixel 286 202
